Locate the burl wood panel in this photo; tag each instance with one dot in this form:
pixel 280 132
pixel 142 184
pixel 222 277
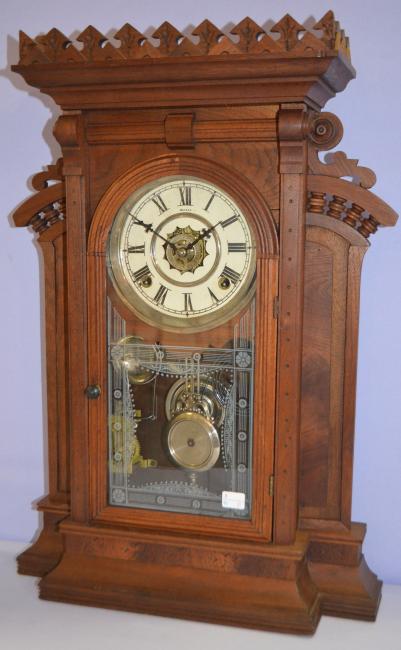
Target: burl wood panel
pixel 326 262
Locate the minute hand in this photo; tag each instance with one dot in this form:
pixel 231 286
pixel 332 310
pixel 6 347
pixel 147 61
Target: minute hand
pixel 204 233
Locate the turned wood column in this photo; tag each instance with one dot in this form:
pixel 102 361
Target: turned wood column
pixel 292 130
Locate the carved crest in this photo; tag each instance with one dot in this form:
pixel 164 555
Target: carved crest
pixel 245 37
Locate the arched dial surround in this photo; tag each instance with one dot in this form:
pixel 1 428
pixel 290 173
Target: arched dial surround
pixel 181 254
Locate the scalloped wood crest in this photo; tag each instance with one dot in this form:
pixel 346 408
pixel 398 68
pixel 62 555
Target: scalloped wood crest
pixel 287 37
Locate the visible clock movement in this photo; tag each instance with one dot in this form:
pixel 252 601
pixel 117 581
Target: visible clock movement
pixel 202 270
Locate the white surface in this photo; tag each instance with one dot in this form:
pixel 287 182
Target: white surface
pixel 27 622
pixel 369 109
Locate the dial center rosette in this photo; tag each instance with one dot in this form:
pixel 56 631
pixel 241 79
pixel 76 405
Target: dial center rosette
pixel 185 250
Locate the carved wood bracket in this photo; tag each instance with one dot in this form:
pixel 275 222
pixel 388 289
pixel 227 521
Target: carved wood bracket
pixel 69 132
pixel 46 208
pixel 329 194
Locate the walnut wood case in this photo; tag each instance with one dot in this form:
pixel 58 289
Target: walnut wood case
pixel 246 108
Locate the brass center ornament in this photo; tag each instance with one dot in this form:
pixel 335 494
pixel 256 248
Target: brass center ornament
pixel 185 250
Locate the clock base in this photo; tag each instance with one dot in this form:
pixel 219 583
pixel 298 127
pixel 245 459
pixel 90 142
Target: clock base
pixel 45 553
pixel 265 587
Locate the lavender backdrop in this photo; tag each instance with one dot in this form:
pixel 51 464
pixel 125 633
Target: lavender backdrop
pixel 369 108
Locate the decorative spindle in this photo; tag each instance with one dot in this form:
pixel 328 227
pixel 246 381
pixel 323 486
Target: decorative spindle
pixel 316 202
pixel 354 214
pixel 38 223
pixel 336 207
pixel 51 215
pixel 368 227
pixel 61 208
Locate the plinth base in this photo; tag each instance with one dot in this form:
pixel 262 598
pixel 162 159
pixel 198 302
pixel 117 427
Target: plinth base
pixel 267 587
pixel 45 553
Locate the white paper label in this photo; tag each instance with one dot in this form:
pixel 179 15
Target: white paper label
pixel 234 500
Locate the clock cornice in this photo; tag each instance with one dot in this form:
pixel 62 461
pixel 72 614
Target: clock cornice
pixel 289 64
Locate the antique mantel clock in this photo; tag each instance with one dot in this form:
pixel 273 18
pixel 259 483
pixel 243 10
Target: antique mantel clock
pixel 202 269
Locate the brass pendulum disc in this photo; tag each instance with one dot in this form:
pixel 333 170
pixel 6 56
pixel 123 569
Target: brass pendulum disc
pixel 193 442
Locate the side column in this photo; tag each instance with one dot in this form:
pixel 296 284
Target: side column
pixel 70 134
pixel 292 131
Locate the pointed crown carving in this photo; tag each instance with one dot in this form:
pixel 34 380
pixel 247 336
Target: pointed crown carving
pixel 286 38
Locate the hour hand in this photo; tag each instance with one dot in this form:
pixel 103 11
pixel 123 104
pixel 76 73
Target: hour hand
pixel 149 228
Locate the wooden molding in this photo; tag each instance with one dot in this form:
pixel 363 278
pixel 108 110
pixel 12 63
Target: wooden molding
pixel 171 164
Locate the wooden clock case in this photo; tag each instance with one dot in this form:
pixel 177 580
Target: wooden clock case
pixel 244 112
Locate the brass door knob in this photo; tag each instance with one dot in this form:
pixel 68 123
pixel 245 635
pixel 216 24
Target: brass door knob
pixel 93 391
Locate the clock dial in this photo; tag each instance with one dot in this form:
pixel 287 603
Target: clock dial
pixel 182 254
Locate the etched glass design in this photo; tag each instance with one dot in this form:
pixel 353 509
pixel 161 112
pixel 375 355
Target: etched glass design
pixel 180 422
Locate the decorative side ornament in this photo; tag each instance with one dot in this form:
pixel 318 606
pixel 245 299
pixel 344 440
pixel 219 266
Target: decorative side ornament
pixel 47 207
pixel 331 195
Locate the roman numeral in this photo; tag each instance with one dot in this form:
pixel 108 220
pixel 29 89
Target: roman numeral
pixel 231 274
pixel 234 247
pixel 161 294
pixel 229 221
pixel 207 206
pixel 136 249
pixel 157 200
pixel 185 195
pixel 213 297
pixel 142 273
pixel 188 302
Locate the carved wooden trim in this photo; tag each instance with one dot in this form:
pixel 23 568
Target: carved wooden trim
pixel 328 194
pixel 46 208
pixel 127 43
pixel 348 203
pixel 325 133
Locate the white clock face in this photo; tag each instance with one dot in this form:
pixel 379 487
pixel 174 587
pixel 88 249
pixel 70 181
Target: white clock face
pixel 182 254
